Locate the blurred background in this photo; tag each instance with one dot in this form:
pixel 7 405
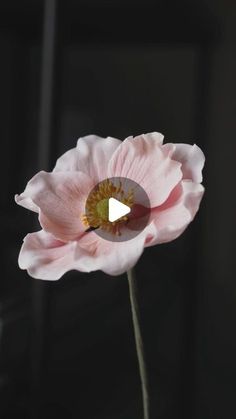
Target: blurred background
pixel 119 68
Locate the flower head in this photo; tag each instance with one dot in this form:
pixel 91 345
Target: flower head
pixel 70 214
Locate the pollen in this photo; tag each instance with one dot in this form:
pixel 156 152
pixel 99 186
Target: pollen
pixel 97 206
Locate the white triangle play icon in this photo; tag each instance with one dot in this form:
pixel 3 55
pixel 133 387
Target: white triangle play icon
pixel 116 209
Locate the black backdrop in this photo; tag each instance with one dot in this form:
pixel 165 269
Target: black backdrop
pixel 119 68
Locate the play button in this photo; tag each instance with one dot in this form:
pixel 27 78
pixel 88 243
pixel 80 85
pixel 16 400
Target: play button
pixel 116 210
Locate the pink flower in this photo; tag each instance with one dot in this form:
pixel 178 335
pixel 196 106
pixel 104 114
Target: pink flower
pixel 171 175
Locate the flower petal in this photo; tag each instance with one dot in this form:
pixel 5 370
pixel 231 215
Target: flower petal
pixel 192 159
pixel 156 137
pixel 113 258
pixel 68 162
pixel 145 161
pixel 26 202
pixel 61 199
pixel 44 257
pixel 91 156
pixel 171 219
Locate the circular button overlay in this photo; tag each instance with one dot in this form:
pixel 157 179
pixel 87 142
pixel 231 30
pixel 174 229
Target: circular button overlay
pixel 117 209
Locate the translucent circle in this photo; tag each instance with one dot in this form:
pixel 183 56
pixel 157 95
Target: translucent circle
pixel 133 223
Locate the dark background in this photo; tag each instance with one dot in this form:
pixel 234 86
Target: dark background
pixel 119 68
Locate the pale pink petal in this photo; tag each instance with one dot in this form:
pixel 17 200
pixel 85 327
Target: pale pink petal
pixel 156 137
pixel 113 258
pixel 61 198
pixel 171 219
pixel 26 202
pixel 91 156
pixel 69 161
pixel 145 161
pixel 44 257
pixel 192 159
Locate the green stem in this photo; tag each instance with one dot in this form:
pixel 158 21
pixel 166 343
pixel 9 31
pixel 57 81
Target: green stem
pixel 138 341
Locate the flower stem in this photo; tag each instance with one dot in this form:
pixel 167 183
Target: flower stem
pixel 138 341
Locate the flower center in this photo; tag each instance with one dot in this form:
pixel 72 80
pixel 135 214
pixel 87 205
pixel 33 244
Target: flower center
pixel 97 206
pixel 102 209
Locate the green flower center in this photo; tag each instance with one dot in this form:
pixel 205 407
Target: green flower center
pixel 102 209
